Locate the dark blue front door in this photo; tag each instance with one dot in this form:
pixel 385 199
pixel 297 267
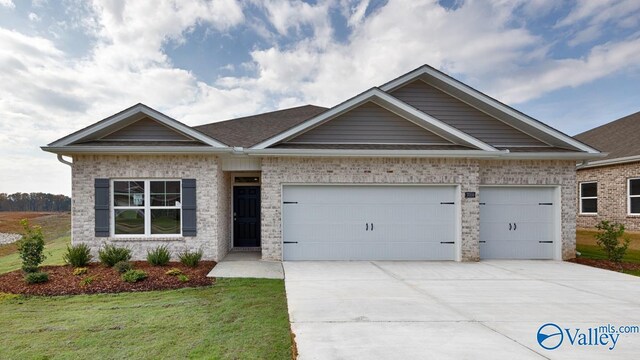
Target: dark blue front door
pixel 246 216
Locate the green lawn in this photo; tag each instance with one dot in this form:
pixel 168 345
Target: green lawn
pixel 53 250
pixel 595 252
pixel 233 319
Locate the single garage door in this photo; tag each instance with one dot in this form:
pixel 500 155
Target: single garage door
pixel 517 222
pixel 354 222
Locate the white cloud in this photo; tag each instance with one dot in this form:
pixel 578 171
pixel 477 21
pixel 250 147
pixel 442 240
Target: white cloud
pixel 34 17
pixel 598 14
pixel 7 3
pixel 552 75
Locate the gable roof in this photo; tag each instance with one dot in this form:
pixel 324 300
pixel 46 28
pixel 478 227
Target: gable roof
pixel 127 117
pixel 390 103
pixel 264 134
pixel 490 106
pixel 250 130
pixel 618 138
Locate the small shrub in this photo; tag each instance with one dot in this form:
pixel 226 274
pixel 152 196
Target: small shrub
pixel 133 276
pixel 123 266
pixel 174 272
pixel 159 256
pixel 183 278
pixel 77 255
pixel 36 277
pixel 191 259
pixel 31 247
pixel 87 281
pixel 80 271
pixel 609 240
pixel 111 254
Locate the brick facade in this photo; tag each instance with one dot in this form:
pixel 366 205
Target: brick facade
pixel 211 195
pixel 470 174
pixel 214 188
pixel 612 195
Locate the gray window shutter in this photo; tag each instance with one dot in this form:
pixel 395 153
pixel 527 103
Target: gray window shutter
pixel 102 207
pixel 189 207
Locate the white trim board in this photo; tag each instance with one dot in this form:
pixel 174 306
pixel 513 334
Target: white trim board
pixel 135 112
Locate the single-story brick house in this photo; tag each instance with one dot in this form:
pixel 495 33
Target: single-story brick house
pixel 609 188
pixel 423 167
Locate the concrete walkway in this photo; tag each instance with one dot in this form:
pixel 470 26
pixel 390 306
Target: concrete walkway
pixel 247 265
pixel 447 310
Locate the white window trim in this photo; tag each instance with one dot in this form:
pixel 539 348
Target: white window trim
pixel 587 197
pixel 147 210
pixel 629 196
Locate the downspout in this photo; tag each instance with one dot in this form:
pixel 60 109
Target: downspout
pixel 62 160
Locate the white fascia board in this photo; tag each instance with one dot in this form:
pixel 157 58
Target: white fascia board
pixel 134 110
pixel 70 150
pixel 500 154
pixel 385 100
pixel 427 70
pixel 552 156
pixel 615 161
pixel 375 153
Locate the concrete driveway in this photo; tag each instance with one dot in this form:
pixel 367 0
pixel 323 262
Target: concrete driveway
pixel 447 310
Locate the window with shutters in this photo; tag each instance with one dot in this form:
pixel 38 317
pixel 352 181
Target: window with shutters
pixel 147 208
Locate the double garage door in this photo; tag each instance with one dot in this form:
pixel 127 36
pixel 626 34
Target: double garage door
pixel 369 222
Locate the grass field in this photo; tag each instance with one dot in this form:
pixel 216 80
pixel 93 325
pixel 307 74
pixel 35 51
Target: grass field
pixel 233 319
pixel 56 228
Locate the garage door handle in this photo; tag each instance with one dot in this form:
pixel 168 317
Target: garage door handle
pixel 371 226
pixel 545 203
pixel 545 242
pixel 447 242
pixel 509 226
pixel 515 226
pixel 290 242
pixel 482 242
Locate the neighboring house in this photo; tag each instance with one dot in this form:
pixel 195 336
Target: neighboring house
pixel 609 188
pixel 423 167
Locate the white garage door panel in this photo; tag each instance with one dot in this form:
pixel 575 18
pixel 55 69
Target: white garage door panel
pixel 517 222
pixel 322 222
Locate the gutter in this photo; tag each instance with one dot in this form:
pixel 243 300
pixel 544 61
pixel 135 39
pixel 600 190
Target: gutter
pixel 62 160
pixel 64 150
pixel 500 154
pixel 373 153
pixel 616 161
pixel 240 151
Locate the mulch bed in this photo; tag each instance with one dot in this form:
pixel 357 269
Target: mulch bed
pixel 606 264
pixel 106 280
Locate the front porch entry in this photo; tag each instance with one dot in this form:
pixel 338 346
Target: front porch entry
pixel 245 211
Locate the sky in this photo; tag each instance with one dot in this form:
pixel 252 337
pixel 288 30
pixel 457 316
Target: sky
pixel 66 64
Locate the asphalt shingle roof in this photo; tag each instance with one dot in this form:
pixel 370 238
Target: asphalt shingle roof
pixel 619 138
pixel 251 130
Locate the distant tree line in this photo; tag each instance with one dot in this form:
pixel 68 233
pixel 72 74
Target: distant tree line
pixel 34 202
